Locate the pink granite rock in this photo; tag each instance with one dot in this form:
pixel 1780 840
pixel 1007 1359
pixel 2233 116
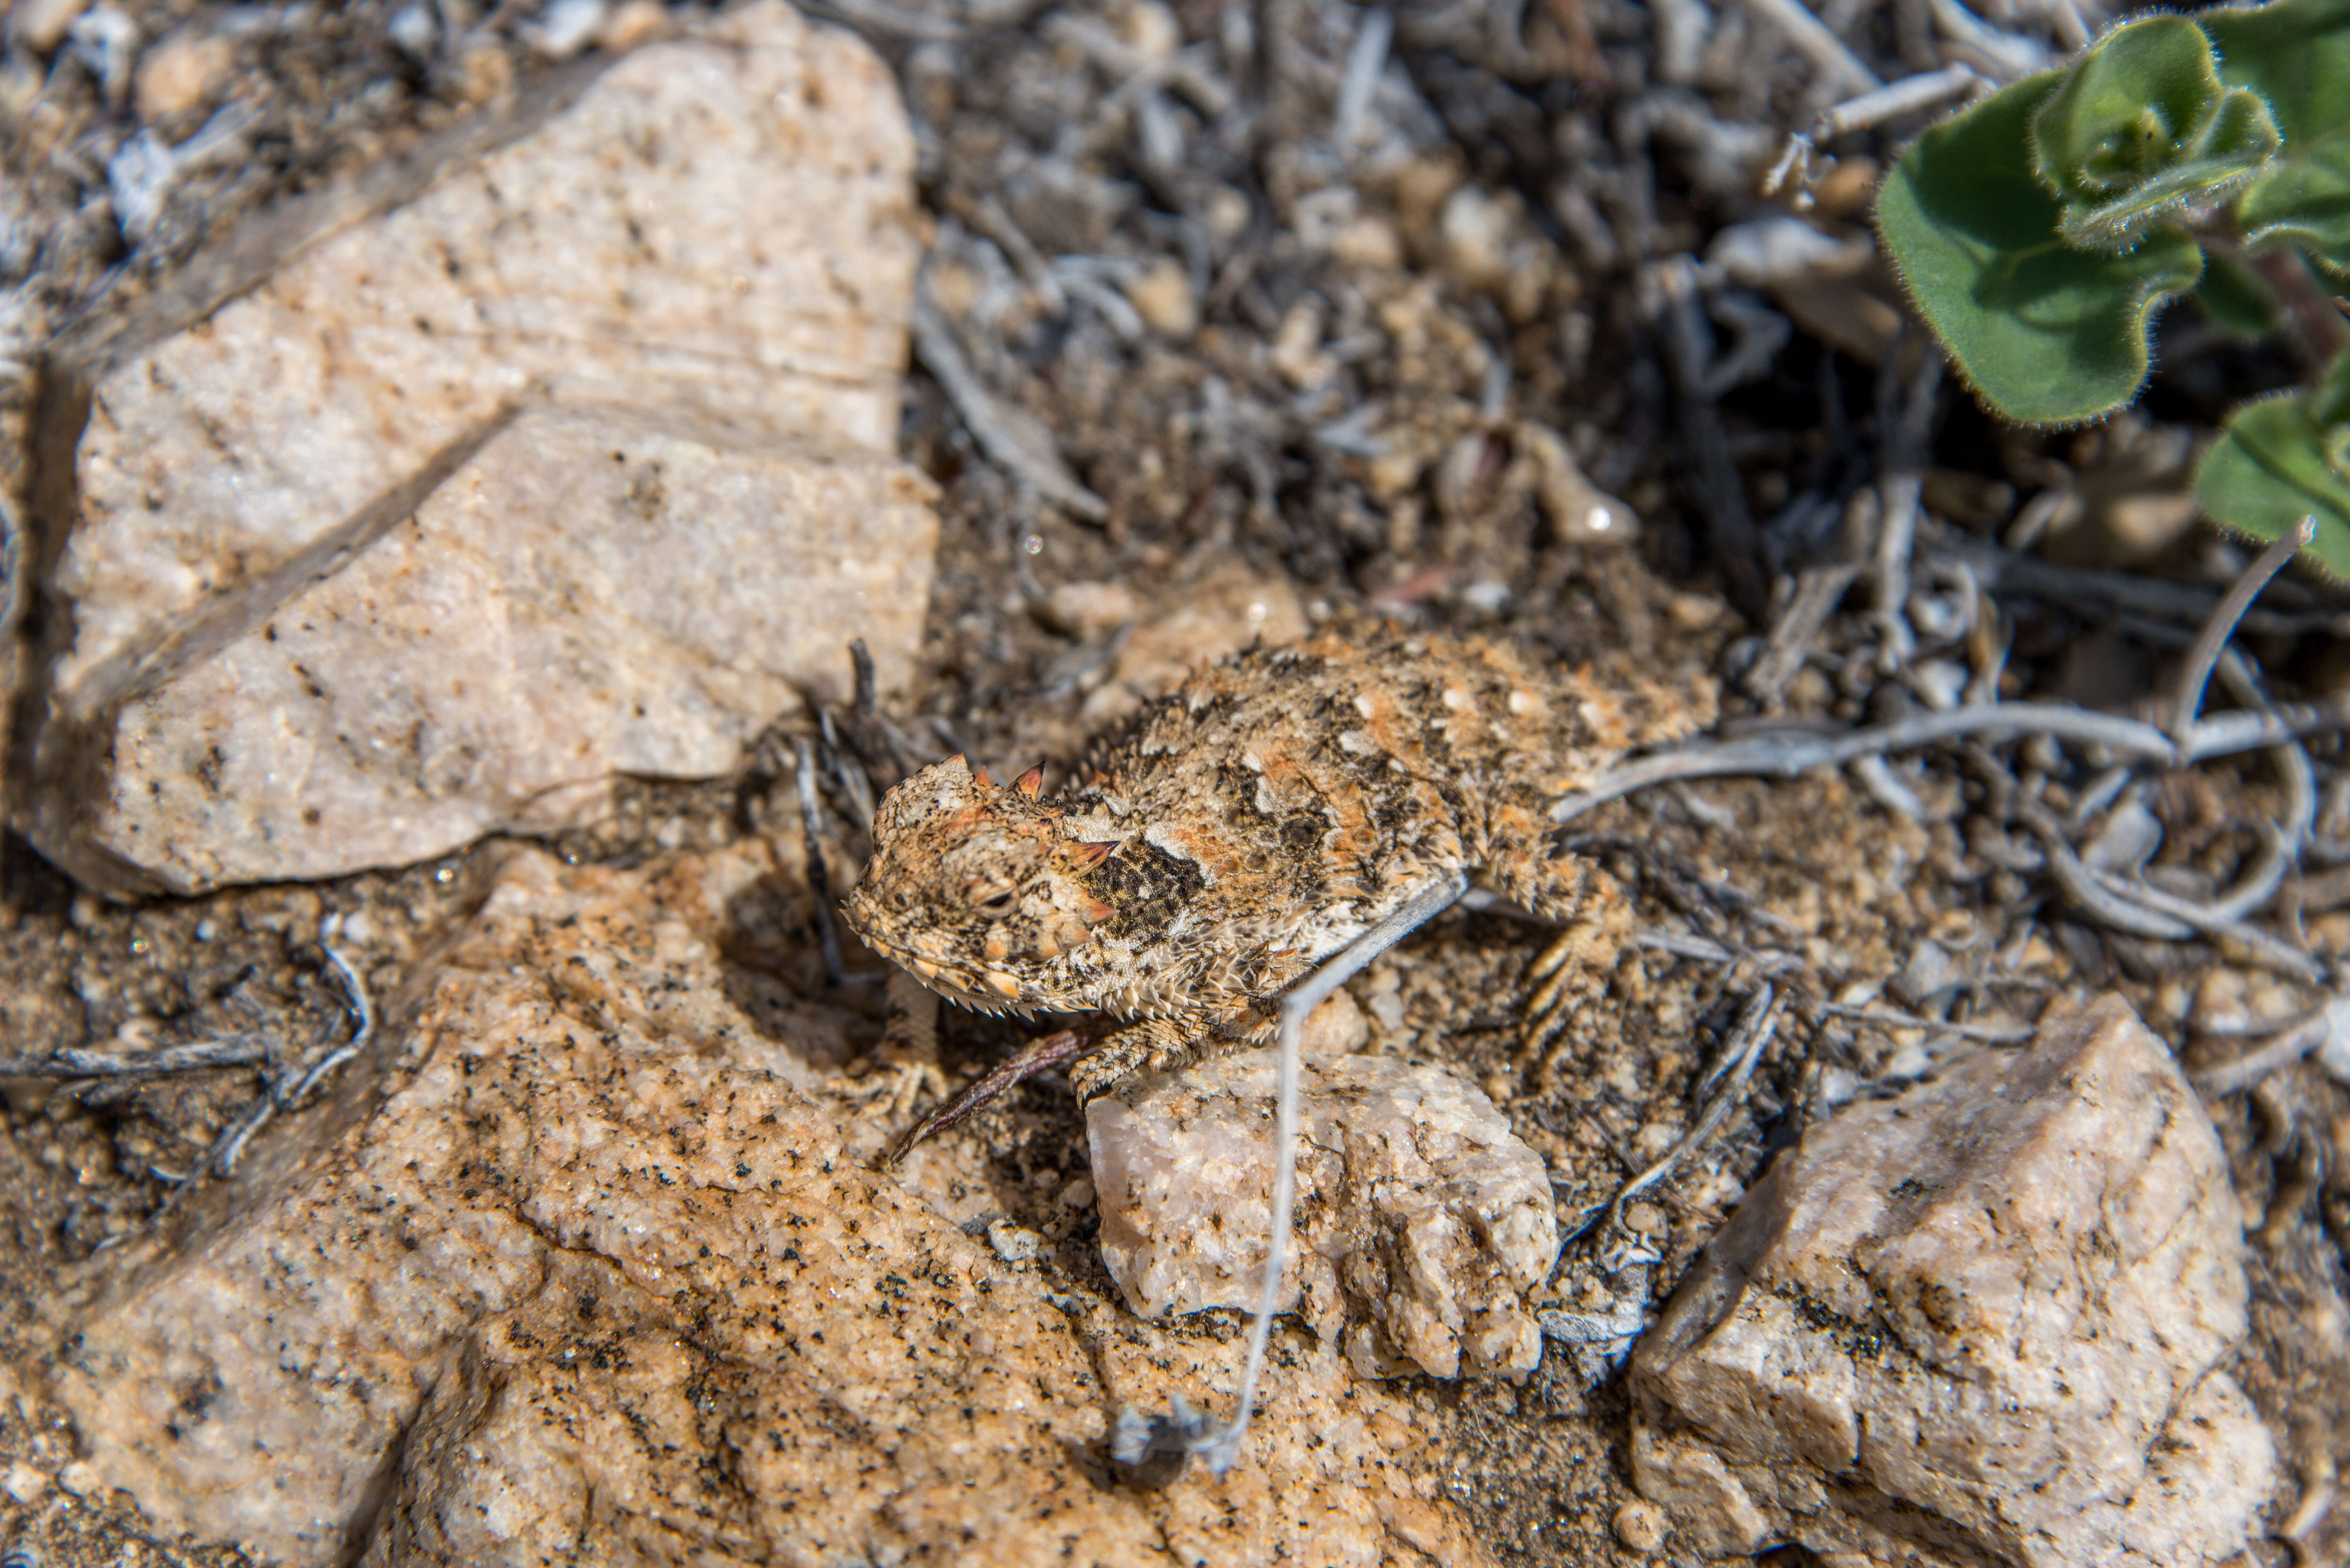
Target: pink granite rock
pixel 1984 1323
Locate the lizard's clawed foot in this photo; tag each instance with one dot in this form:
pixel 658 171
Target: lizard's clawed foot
pixel 1034 1057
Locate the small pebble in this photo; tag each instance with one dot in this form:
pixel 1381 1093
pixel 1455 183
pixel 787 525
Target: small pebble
pixel 413 30
pixel 1336 1028
pixel 1013 1243
pixel 81 1479
pixel 41 24
pixel 483 72
pixel 1088 609
pixel 179 74
pixel 1693 612
pixel 1152 31
pixel 23 1482
pixel 1641 1526
pixel 566 27
pixel 633 24
pixel 1161 295
pixel 1907 1061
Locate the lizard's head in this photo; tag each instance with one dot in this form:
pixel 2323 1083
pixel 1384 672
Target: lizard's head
pixel 977 889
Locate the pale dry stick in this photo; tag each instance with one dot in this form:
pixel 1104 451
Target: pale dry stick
pixel 893 21
pixel 2144 911
pixel 2110 909
pixel 275 1097
pixel 1990 1033
pixel 819 878
pixel 1894 100
pixel 229 1147
pixel 1222 1444
pixel 2003 571
pixel 2007 56
pixel 2240 1026
pixel 2250 730
pixel 1680 944
pixel 1180 69
pixel 2065 16
pixel 1784 756
pixel 2281 842
pixel 2101 792
pixel 2248 1069
pixel 1081 277
pixel 1889 792
pixel 2317 1499
pixel 2204 656
pixel 1788 754
pixel 990 218
pixel 1012 437
pixel 845 770
pixel 1812 38
pixel 1794 164
pixel 1817 591
pixel 2033 521
pixel 2203 918
pixel 1765 962
pixel 1365 59
pixel 230 1051
pixel 2246 898
pixel 1757 1024
pixel 1898 490
pixel 362 1008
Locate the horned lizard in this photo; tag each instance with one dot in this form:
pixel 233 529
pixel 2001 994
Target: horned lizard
pixel 1241 848
pixel 1257 820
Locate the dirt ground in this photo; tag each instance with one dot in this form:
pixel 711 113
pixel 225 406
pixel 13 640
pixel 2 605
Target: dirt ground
pixel 1322 280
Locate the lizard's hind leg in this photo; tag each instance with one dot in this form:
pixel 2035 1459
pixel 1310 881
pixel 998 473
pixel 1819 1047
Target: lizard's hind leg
pixel 1193 1431
pixel 1595 920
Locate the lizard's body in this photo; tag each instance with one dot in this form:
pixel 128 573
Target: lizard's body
pixel 1262 818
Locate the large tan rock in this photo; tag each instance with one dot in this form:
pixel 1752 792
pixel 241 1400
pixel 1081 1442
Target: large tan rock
pixel 716 236
pixel 584 597
pixel 1979 1323
pixel 577 1270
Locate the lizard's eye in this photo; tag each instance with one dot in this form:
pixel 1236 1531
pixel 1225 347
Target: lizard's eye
pixel 994 905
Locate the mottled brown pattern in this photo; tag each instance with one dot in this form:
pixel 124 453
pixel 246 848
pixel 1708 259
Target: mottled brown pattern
pixel 1251 824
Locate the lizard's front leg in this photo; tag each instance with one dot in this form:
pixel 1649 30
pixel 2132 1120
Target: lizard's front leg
pixel 1154 1046
pixel 1049 1051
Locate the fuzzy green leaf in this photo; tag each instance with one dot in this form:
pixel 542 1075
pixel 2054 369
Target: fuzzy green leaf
pixel 2296 56
pixel 2285 458
pixel 2142 127
pixel 2330 400
pixel 2047 333
pixel 2236 296
pixel 2305 201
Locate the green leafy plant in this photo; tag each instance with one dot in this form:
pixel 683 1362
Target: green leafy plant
pixel 2040 230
